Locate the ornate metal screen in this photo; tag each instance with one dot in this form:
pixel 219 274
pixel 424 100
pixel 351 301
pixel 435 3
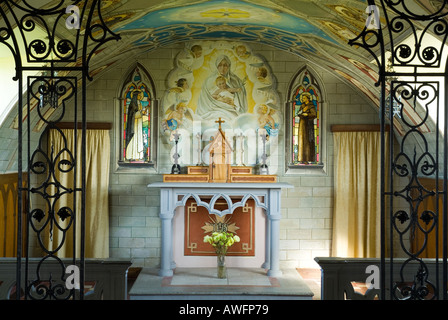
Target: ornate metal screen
pixel 54 44
pixel 406 39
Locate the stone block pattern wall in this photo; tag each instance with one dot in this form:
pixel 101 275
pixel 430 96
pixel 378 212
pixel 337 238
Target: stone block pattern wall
pixel 135 228
pixel 306 210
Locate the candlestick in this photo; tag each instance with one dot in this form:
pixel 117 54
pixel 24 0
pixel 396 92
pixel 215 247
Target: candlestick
pixel 175 169
pixel 199 137
pixel 264 167
pixel 241 151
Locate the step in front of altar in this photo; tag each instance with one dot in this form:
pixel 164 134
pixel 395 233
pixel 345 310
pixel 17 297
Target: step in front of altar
pixel 203 284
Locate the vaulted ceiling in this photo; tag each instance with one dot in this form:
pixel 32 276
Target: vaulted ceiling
pixel 316 30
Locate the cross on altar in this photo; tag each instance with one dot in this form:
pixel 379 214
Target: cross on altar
pixel 219 121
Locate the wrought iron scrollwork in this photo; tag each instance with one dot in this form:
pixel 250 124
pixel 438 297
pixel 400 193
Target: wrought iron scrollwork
pixel 409 80
pixel 59 41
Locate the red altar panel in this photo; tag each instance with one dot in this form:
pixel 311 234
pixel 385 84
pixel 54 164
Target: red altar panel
pixel 199 223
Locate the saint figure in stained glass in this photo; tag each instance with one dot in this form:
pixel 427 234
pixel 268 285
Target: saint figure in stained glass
pixel 305 139
pixel 305 114
pixel 136 120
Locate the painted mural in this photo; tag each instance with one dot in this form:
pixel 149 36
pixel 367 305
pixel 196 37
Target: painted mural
pixel 214 14
pixel 153 26
pixel 215 80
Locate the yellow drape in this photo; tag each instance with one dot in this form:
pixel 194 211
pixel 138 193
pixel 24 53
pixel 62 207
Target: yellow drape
pixel 9 214
pixel 97 184
pixel 356 219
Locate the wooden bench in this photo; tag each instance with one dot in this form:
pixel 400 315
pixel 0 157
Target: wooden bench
pixel 105 279
pixel 345 278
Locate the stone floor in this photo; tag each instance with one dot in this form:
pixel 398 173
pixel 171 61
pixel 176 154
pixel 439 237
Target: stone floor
pixel 312 278
pixel 240 284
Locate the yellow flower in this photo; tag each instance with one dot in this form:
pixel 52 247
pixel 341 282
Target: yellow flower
pixel 208 239
pixel 221 241
pixel 229 242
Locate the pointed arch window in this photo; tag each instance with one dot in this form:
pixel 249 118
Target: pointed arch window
pixel 137 111
pixel 305 114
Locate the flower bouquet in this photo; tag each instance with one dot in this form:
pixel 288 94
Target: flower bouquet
pixel 221 241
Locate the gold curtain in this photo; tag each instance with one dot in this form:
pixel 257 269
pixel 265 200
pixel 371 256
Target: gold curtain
pixel 356 218
pixel 9 215
pixel 97 184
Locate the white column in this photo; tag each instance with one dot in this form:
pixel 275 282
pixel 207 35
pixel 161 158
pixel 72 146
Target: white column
pixel 274 217
pixel 166 215
pixel 267 253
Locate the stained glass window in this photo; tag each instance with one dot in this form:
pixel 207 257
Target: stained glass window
pixel 305 114
pixel 136 119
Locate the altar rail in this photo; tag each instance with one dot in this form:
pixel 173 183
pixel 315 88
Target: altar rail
pixel 106 279
pixel 345 278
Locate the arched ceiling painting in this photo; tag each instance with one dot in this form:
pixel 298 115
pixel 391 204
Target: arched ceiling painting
pixel 316 30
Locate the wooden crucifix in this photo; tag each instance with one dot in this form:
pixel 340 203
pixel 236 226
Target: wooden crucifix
pixel 219 122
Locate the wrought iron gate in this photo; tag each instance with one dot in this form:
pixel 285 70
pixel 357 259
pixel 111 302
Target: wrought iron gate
pixel 407 44
pixel 55 44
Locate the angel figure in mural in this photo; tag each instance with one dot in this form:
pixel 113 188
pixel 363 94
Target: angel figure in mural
pixel 262 74
pixel 266 120
pixel 241 52
pixel 177 94
pixel 134 125
pixel 210 108
pixel 190 59
pixel 176 117
pixel 306 144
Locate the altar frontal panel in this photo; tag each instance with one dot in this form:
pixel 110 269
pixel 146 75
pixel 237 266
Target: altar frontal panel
pixel 199 223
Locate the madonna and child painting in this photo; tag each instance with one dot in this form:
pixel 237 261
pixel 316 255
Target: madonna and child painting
pixel 214 80
pixel 220 79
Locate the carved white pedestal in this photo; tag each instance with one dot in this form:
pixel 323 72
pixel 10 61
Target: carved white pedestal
pixel 266 196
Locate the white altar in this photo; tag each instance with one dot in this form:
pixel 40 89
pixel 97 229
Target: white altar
pixel 266 196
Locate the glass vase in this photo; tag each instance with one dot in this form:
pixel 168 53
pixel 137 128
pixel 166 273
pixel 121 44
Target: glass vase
pixel 222 271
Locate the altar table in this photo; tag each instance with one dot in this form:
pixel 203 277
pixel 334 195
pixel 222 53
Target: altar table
pixel 266 196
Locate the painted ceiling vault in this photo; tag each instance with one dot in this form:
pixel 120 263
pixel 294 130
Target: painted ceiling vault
pixel 316 30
